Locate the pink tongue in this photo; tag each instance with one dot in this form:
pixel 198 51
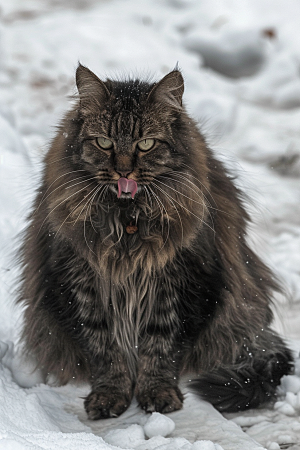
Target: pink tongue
pixel 125 185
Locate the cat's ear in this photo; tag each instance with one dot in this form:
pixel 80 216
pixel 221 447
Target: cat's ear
pixel 169 90
pixel 92 91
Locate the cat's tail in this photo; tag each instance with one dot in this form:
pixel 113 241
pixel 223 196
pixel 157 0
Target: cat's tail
pixel 245 385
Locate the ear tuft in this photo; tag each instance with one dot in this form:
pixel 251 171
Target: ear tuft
pixel 92 91
pixel 169 90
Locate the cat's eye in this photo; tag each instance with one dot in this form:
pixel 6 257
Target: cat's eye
pixel 146 144
pixel 104 143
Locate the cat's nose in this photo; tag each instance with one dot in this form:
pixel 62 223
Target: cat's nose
pixel 124 173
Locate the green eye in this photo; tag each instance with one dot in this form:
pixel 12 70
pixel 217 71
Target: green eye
pixel 146 144
pixel 104 143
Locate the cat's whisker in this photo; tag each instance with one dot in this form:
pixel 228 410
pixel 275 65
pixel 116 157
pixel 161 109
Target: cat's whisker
pixel 65 220
pixel 199 194
pixel 202 197
pixel 186 209
pixel 98 191
pixel 88 203
pixel 153 211
pixel 100 194
pixel 68 187
pixel 207 204
pixel 192 169
pixel 181 193
pixel 184 176
pixel 206 189
pixel 87 199
pixel 60 159
pixel 199 181
pixel 56 179
pixel 162 209
pixel 150 200
pixel 60 203
pixel 174 206
pixel 79 182
pixel 105 192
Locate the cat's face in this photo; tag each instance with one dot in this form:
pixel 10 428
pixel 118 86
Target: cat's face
pixel 127 136
pixel 122 141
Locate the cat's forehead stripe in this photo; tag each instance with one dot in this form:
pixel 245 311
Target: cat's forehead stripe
pixel 125 124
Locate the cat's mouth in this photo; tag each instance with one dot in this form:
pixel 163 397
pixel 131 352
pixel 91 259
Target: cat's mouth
pixel 127 186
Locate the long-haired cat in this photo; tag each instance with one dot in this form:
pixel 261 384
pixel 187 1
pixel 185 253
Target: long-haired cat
pixel 135 262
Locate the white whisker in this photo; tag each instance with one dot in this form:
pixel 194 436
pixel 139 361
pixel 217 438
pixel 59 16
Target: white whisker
pixel 162 209
pixel 184 176
pixel 63 175
pixel 84 198
pixel 196 178
pixel 181 193
pixel 183 207
pixel 63 201
pixel 207 205
pixel 98 191
pixel 174 206
pixel 87 198
pixel 89 202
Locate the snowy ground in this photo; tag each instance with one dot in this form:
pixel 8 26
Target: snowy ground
pixel 241 62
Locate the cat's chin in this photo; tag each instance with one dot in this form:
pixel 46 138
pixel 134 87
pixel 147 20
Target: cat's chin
pixel 125 196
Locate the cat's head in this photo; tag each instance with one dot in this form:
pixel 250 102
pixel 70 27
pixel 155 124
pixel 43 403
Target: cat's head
pixel 128 148
pixel 132 131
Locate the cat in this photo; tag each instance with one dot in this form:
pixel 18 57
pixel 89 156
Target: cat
pixel 136 268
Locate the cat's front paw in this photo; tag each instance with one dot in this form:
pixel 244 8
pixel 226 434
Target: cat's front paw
pixel 102 404
pixel 163 399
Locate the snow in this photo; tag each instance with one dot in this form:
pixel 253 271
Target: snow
pixel 158 424
pixel 241 63
pixel 235 53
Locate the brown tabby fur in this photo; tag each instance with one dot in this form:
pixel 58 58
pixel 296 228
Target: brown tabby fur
pixel 130 312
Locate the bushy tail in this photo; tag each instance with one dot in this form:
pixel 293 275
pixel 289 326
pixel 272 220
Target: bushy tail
pixel 247 385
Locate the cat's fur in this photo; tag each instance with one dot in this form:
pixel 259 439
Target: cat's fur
pixel 130 311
